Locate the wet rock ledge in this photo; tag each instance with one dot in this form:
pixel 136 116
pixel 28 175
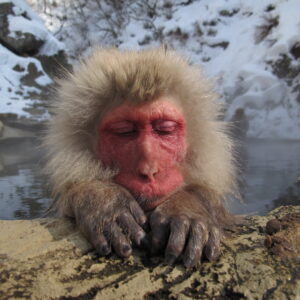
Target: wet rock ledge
pixel 49 259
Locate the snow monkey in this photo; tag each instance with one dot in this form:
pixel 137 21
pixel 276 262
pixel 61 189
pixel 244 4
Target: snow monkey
pixel 135 140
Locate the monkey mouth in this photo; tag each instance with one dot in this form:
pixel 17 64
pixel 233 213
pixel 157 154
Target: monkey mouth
pixel 149 194
pixel 149 203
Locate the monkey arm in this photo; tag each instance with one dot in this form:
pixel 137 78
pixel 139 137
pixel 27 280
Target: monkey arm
pixel 189 222
pixel 107 215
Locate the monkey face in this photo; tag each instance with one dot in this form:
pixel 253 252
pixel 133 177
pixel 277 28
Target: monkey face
pixel 147 143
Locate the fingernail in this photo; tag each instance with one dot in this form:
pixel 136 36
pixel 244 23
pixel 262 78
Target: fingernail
pixel 139 237
pixel 143 220
pixel 189 263
pixel 126 249
pixel 208 253
pixel 146 226
pixel 104 250
pixel 212 253
pixel 170 259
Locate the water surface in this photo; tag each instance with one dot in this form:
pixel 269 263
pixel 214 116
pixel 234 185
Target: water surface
pixel 270 167
pixel 23 191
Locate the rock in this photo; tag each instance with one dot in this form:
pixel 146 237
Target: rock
pixel 23 33
pixel 284 236
pixel 273 226
pixel 24 124
pixel 296 50
pixel 290 197
pixel 53 64
pixel 19 42
pixel 1 129
pixel 30 57
pixel 49 259
pixel 8 132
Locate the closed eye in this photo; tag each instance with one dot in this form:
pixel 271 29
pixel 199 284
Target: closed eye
pixel 165 127
pixel 123 128
pixel 126 133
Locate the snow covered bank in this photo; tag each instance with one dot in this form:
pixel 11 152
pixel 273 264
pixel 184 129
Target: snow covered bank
pixel 25 49
pixel 15 95
pixel 259 70
pixel 251 50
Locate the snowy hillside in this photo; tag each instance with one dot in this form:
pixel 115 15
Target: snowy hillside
pixel 251 49
pixel 27 50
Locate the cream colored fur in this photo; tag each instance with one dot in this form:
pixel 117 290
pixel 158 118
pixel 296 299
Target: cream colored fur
pixel 110 77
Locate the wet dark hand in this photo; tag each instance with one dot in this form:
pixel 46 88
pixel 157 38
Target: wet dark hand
pixel 182 225
pixel 111 220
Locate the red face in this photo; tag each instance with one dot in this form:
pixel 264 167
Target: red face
pixel 147 143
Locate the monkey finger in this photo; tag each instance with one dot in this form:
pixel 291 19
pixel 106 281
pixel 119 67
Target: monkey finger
pixel 118 240
pixel 179 228
pixel 138 213
pixel 197 239
pixel 159 233
pixel 135 232
pixel 100 243
pixel 212 248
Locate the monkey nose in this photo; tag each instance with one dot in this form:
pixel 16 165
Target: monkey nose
pixel 147 172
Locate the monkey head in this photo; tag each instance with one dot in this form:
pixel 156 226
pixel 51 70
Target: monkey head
pixel 136 142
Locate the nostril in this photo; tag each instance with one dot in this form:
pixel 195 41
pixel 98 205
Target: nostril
pixel 144 176
pixel 147 172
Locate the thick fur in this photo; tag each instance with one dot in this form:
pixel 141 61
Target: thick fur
pixel 110 77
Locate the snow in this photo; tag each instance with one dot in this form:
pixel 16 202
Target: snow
pixel 244 79
pixel 51 46
pixel 33 24
pixel 20 24
pixel 286 33
pixel 236 43
pixel 21 6
pixel 15 96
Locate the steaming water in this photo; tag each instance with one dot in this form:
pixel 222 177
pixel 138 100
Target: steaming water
pixel 270 167
pixel 23 193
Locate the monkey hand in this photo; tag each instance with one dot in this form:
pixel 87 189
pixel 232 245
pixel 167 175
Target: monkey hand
pixel 184 225
pixel 109 217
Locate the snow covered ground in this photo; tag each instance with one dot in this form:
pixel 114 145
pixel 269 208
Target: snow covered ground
pixel 14 95
pixel 22 78
pixel 250 49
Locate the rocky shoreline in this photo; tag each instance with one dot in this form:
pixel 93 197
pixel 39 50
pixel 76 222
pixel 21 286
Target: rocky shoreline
pixel 49 259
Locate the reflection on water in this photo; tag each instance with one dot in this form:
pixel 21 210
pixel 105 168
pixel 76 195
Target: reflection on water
pixel 270 168
pixel 22 189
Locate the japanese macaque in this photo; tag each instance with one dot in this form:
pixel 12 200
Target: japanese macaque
pixel 138 155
